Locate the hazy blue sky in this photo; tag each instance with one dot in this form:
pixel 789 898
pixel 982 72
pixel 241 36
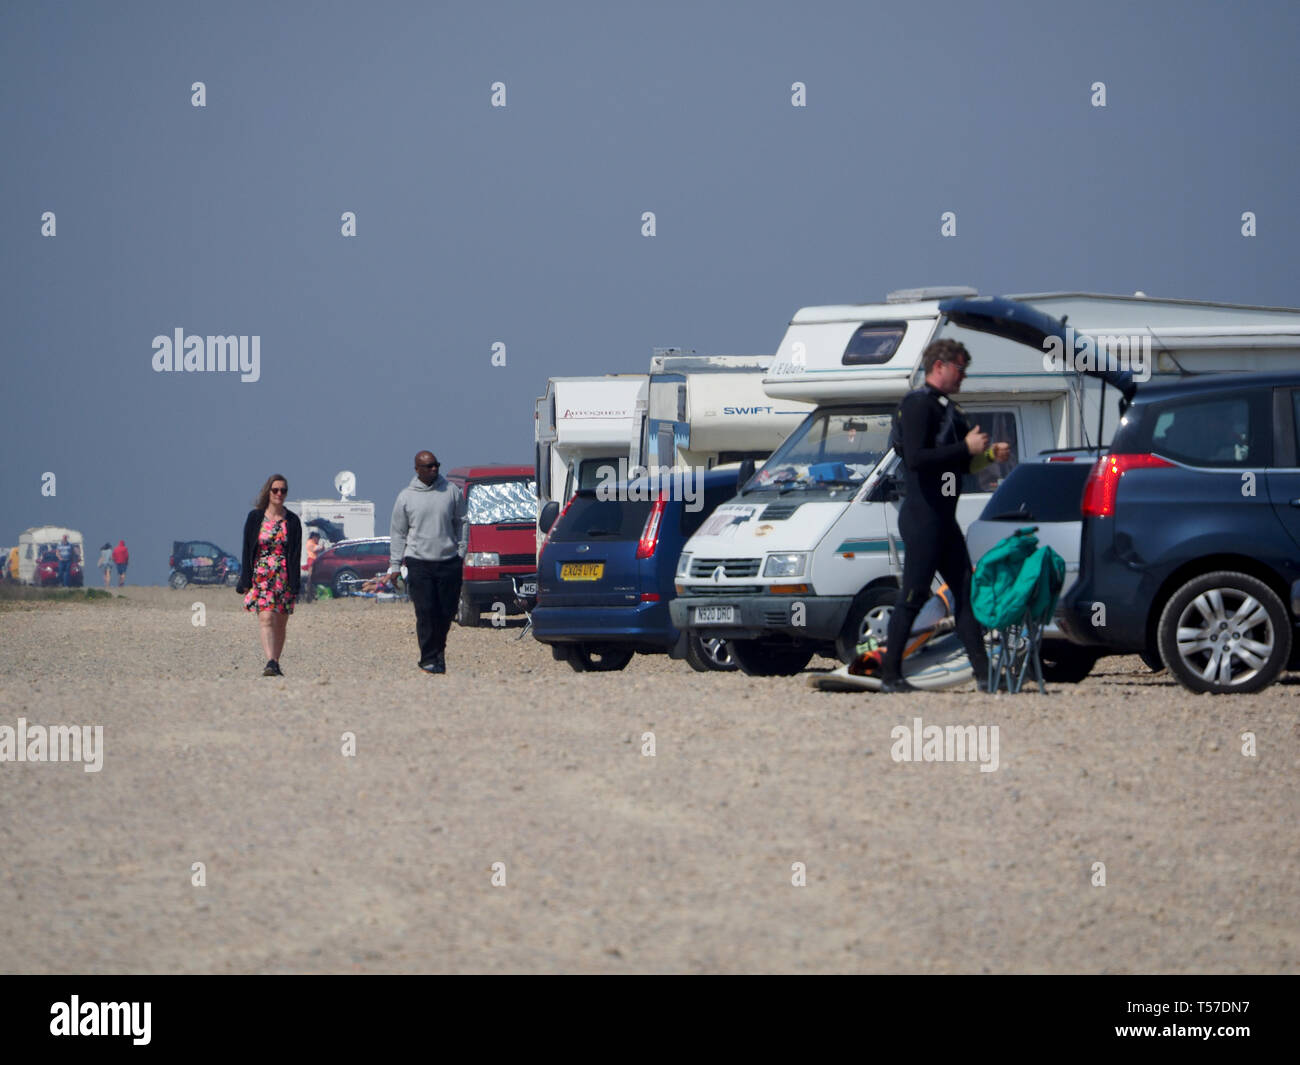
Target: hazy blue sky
pixel 522 224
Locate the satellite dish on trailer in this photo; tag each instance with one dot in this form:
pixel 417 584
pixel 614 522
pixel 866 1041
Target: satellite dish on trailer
pixel 345 483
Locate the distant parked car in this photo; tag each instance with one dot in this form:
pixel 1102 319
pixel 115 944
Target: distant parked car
pixel 606 576
pixel 1045 492
pixel 1191 532
pixel 201 562
pixel 501 510
pixel 47 568
pixel 347 565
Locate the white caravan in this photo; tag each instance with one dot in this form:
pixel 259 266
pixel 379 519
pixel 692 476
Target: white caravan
pixel 339 519
pixel 807 557
pixel 34 540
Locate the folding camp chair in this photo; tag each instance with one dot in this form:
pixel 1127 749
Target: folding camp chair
pixel 526 602
pixel 1013 593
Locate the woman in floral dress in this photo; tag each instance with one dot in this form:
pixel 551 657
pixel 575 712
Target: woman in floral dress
pixel 270 573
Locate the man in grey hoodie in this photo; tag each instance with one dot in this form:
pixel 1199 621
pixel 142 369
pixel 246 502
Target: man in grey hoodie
pixel 428 534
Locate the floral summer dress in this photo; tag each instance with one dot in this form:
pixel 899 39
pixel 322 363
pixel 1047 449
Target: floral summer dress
pixel 270 590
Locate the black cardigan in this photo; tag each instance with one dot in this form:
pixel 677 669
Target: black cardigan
pixel 293 550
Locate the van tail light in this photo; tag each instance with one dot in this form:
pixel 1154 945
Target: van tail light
pixel 649 541
pixel 1103 482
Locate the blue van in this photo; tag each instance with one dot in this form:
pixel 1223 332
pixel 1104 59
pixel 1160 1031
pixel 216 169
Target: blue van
pixel 605 573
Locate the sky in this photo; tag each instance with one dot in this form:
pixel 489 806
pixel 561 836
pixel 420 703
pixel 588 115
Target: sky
pixel 522 225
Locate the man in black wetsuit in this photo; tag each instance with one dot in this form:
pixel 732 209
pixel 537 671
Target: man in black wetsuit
pixel 939 446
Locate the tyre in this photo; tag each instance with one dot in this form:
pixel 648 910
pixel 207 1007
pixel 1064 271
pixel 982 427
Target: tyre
pixel 1152 660
pixel 595 658
pixel 869 615
pixel 706 653
pixel 345 580
pixel 178 580
pixel 467 612
pixel 770 658
pixel 1224 632
pixel 1065 662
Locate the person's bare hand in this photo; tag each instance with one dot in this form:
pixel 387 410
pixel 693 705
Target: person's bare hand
pixel 977 441
pixel 1001 452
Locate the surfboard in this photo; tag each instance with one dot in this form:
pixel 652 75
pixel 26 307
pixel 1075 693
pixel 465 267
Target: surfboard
pixel 941 663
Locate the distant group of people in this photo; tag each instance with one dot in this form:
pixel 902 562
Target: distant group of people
pixel 428 537
pixel 110 558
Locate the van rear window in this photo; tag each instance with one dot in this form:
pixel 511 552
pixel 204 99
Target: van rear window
pixel 1040 492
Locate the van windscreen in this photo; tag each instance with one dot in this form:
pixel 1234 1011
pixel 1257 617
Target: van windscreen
pixel 498 502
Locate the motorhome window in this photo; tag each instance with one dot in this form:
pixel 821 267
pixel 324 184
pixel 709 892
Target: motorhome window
pixel 829 449
pixel 594 472
pixel 497 502
pixel 873 343
pixel 543 473
pixel 1219 431
pixel 594 520
pixel 1001 427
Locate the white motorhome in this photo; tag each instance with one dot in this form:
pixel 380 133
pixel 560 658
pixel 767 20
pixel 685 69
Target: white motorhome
pixel 709 410
pixel 696 411
pixel 807 557
pixel 39 537
pixel 581 424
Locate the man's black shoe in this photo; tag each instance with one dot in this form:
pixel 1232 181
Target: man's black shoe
pixel 429 667
pixel 895 685
pixel 439 665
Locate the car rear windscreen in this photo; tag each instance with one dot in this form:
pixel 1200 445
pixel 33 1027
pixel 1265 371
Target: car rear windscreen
pixel 590 518
pixel 1040 492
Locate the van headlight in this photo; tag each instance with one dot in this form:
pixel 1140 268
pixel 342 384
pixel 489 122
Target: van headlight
pixel 483 558
pixel 791 565
pixel 684 565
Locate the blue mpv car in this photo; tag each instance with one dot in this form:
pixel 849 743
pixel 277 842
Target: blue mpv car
pixel 605 575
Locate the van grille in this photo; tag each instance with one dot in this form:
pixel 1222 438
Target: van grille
pixel 518 560
pixel 723 589
pixel 731 567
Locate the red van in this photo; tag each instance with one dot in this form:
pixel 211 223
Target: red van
pixel 501 509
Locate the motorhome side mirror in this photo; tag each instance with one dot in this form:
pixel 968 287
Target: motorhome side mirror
pixel 745 473
pixel 548 515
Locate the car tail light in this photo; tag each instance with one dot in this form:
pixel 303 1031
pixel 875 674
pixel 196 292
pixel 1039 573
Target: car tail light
pixel 649 597
pixel 1103 482
pixel 171 561
pixel 645 547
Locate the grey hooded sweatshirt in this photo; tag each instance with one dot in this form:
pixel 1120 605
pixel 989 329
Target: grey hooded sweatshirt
pixel 428 523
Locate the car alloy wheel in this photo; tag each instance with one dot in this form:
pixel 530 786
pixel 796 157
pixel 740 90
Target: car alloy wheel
pixel 1225 632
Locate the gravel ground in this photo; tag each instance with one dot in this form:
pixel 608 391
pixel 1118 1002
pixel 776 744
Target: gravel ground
pixel 614 861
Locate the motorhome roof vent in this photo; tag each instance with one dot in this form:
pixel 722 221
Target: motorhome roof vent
pixel 936 292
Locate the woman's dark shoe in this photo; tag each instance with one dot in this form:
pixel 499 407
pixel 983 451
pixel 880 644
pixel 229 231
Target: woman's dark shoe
pixel 275 664
pixel 270 670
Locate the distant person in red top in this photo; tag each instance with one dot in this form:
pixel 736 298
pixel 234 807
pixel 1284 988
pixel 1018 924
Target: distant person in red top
pixel 121 556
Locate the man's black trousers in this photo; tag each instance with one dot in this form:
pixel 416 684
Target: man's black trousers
pixel 932 542
pixel 434 588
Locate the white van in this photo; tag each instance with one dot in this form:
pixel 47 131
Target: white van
pixel 807 557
